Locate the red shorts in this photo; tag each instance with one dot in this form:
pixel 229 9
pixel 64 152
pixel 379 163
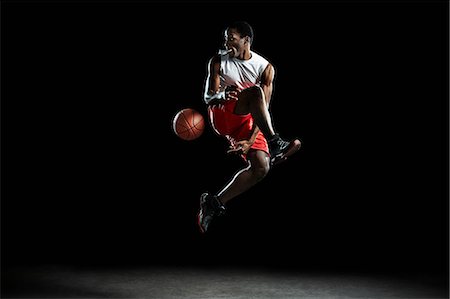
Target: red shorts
pixel 234 126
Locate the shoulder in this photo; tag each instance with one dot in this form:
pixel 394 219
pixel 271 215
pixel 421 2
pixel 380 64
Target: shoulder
pixel 261 62
pixel 214 63
pixel 269 67
pixel 258 57
pixel 214 60
pixel 269 72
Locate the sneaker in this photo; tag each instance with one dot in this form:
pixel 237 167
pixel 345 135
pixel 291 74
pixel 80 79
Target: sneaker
pixel 210 207
pixel 280 150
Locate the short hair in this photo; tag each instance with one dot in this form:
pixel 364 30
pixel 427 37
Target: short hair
pixel 243 28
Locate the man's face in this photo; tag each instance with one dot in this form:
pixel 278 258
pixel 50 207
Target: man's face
pixel 234 41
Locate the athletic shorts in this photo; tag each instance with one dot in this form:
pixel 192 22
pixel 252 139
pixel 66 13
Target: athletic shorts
pixel 233 126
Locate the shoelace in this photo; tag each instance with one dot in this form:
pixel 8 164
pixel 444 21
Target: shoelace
pixel 282 143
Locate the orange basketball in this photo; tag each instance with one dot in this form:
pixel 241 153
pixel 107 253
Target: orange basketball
pixel 188 124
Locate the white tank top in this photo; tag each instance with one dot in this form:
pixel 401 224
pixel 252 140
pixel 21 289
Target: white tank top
pixel 241 73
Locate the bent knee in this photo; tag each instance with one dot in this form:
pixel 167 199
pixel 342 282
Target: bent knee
pixel 260 172
pixel 253 93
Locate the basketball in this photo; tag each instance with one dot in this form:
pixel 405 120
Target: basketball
pixel 188 124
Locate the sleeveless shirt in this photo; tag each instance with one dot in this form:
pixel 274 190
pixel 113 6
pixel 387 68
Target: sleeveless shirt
pixel 241 73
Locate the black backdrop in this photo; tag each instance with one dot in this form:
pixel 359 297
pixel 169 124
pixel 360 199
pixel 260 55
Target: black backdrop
pixel 93 174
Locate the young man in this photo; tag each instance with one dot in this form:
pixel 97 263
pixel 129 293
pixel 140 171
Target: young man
pixel 238 90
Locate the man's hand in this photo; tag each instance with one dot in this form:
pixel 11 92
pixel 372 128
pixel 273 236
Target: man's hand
pixel 232 92
pixel 240 147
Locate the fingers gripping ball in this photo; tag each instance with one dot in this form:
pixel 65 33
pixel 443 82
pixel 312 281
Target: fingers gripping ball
pixel 188 124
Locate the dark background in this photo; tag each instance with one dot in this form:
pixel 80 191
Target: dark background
pixel 92 172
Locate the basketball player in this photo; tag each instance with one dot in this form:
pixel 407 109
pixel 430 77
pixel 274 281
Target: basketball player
pixel 238 90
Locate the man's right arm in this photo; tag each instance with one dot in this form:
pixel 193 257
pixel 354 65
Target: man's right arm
pixel 212 94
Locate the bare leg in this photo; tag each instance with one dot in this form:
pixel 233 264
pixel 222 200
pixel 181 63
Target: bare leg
pixel 252 100
pixel 258 167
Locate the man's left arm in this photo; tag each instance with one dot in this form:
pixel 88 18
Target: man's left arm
pixel 266 85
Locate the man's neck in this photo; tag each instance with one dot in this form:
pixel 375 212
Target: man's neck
pixel 246 55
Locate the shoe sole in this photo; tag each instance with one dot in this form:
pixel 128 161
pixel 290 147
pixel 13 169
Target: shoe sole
pixel 295 146
pixel 199 225
pixel 202 200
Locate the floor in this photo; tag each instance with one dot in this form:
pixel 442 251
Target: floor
pixel 57 281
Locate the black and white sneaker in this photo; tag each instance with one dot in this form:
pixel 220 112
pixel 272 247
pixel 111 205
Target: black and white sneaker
pixel 280 150
pixel 210 207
